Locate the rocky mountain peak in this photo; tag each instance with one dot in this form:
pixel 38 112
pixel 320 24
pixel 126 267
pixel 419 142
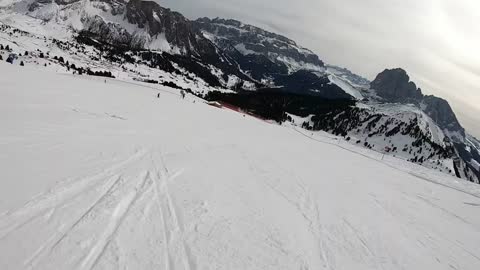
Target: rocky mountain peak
pixel 394 85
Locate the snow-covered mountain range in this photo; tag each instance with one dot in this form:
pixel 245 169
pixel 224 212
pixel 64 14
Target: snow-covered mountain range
pixel 142 41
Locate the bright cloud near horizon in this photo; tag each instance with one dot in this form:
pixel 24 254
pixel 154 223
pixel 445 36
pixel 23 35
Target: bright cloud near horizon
pixel 436 41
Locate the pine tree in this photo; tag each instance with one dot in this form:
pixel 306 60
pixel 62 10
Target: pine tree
pixel 22 64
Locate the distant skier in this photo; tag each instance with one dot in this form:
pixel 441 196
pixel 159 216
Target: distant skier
pixel 158 95
pixel 182 93
pixel 11 58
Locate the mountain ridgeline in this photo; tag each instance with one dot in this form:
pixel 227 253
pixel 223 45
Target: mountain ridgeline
pixel 239 56
pixel 394 85
pixel 264 73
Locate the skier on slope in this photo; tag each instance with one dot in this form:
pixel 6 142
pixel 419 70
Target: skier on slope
pixel 182 93
pixel 11 58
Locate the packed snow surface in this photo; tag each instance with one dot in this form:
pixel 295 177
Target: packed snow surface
pixel 102 174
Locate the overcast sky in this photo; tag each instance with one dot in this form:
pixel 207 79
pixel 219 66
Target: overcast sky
pixel 436 41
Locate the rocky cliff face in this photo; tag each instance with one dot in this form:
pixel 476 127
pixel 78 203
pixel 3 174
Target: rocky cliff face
pixel 132 23
pixel 394 85
pixel 136 25
pixel 147 25
pixel 224 53
pixel 440 111
pixel 163 24
pixel 251 40
pixel 272 59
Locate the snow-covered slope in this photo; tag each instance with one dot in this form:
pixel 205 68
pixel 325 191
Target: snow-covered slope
pixel 84 54
pixel 346 86
pixel 143 41
pixel 353 84
pixel 105 175
pixel 354 79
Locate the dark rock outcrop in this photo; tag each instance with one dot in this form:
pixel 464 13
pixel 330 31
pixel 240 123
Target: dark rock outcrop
pixel 394 85
pixel 177 30
pixel 440 111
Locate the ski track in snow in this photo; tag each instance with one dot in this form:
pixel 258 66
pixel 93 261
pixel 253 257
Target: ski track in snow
pixel 307 208
pixel 55 198
pixel 170 216
pixel 61 236
pixel 116 220
pixel 106 183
